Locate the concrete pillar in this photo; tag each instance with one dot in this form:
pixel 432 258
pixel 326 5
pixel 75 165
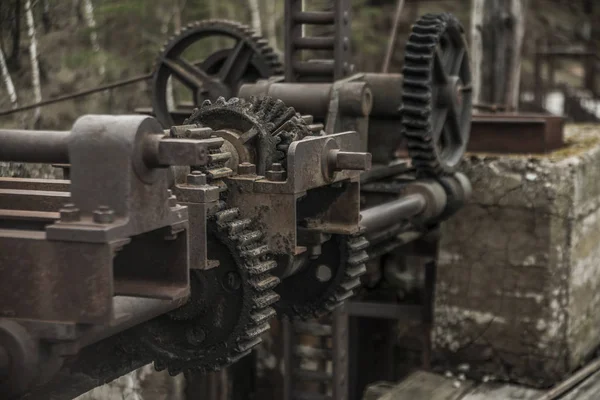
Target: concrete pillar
pixel 518 290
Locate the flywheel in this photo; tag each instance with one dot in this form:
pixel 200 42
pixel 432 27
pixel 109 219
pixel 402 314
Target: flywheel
pixel 209 76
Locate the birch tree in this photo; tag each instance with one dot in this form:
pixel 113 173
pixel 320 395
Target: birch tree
pixel 271 30
pixel 497 30
pixel 255 15
pixel 35 68
pixel 10 87
pixel 88 13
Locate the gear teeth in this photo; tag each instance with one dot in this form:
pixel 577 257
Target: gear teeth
pixel 255 332
pixel 356 271
pixel 265 300
pixel 265 283
pixel 357 244
pixel 249 238
pixel 227 215
pixel 234 359
pixel 262 267
pixel 256 252
pixel 206 103
pixel 350 284
pixel 248 345
pixel 235 227
pixel 261 316
pixel 417 96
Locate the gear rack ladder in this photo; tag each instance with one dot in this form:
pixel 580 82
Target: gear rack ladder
pixel 337 18
pixel 328 380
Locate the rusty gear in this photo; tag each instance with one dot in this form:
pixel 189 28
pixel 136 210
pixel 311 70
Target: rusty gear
pixel 436 94
pixel 230 305
pixel 251 52
pixel 265 127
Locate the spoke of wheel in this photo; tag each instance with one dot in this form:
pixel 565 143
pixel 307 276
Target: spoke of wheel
pixel 236 63
pixel 452 132
pixel 438 122
pixel 458 62
pixel 190 75
pixel 439 68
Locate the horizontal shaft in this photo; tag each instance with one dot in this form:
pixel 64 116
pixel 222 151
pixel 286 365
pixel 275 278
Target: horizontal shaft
pixel 382 216
pixel 34 146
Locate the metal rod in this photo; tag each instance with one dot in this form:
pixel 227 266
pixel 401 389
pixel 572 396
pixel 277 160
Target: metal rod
pixel 34 146
pixel 387 214
pixel 314 17
pixel 393 34
pixel 569 383
pixel 78 94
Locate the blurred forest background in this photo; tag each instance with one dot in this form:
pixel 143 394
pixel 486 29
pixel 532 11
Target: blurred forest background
pixel 85 43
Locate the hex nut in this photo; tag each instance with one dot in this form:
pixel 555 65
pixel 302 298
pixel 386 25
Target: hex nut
pixel 69 213
pixel 246 168
pixel 196 178
pixel 104 215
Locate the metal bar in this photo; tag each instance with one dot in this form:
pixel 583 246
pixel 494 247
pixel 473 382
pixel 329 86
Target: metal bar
pixel 34 146
pixel 18 219
pixel 397 312
pixel 387 214
pixel 129 312
pixel 288 358
pixel 392 39
pixel 563 387
pixel 340 353
pixel 314 17
pixel 32 200
pixel 317 67
pixel 78 94
pixel 315 43
pixel 54 185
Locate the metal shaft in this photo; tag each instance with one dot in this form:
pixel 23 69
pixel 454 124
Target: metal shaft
pixel 34 146
pixel 387 214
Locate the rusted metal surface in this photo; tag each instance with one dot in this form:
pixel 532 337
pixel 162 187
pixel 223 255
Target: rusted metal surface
pixel 516 133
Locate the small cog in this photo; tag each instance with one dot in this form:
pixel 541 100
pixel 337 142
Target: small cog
pixel 263 128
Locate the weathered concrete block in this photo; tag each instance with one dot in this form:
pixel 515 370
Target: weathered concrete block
pixel 519 273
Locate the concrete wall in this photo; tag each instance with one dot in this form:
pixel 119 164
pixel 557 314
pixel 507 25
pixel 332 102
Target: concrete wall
pixel 520 265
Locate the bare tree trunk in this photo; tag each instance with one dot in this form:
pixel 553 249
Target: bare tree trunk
pixel 77 16
pixel 91 23
pixel 15 53
pixel 271 8
pixel 46 19
pixel 497 31
pixel 35 68
pixel 255 14
pixel 8 82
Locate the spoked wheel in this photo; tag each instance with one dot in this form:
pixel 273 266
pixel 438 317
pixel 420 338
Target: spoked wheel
pixel 218 75
pixel 437 94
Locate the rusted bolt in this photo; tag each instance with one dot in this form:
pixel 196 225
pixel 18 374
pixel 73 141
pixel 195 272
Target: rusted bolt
pixel 172 198
pixel 104 215
pixel 196 178
pixel 247 168
pixel 276 173
pixel 69 213
pixel 232 281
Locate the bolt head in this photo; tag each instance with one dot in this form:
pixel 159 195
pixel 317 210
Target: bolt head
pixel 276 167
pixel 324 273
pixel 69 213
pixel 275 176
pixel 246 168
pixel 196 178
pixel 104 215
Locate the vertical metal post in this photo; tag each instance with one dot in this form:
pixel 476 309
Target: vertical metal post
pixel 293 30
pixel 340 353
pixel 429 295
pixel 341 52
pixel 287 359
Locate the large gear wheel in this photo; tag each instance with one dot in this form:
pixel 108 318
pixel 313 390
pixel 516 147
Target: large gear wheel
pixel 436 97
pixel 219 74
pixel 230 306
pixel 257 131
pixel 326 282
